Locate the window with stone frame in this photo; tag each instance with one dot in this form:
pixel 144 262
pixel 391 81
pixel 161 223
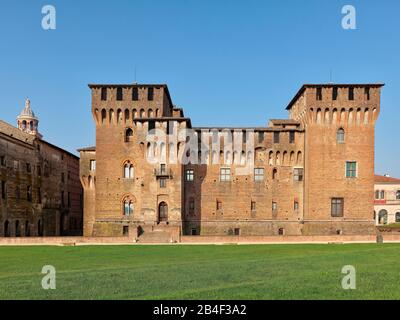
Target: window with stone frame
pixel 337 207
pixel 258 174
pixel 298 174
pixel 351 169
pixel 225 174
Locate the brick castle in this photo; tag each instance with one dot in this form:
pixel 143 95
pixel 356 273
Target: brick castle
pixel 310 174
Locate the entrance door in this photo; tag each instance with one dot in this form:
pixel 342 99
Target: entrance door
pixel 162 212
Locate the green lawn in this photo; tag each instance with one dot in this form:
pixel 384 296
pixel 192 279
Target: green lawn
pixel 202 272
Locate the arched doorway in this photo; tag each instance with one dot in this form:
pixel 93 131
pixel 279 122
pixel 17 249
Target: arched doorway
pixel 40 228
pixel 17 229
pixel 162 212
pixel 6 228
pixel 382 216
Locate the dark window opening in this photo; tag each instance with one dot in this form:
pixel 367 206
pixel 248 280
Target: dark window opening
pixel 125 230
pixel 334 93
pixel 3 190
pixel 152 126
pixel 237 231
pixel 291 136
pixel 219 205
pixel 150 94
pixel 163 183
pixel 319 94
pixel 103 94
pixel 135 94
pixel 119 94
pixel 3 161
pixel 351 93
pixel 366 92
pixel 29 193
pixel 281 232
pixel 260 136
pixel 276 137
pixel 253 206
pixel 128 135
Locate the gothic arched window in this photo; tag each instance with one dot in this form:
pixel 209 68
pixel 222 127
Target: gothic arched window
pixel 128 135
pixel 129 170
pixel 340 135
pixel 128 207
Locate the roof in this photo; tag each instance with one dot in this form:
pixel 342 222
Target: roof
pixel 92 148
pixel 285 121
pixel 15 133
pixel 386 179
pixel 305 86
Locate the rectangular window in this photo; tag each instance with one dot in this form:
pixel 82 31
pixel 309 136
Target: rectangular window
pixel 334 93
pixel 28 168
pixel 351 93
pixel 150 94
pixel 291 137
pixel 152 126
pixel 194 232
pixel 62 198
pixel 276 137
pixel 274 206
pixel 237 231
pixel 219 205
pixel 125 230
pixel 3 190
pixel 225 174
pixel 92 165
pixel 351 169
pixel 366 93
pixel 163 183
pixel 163 168
pixel 298 174
pixel 69 199
pixel 119 94
pixel 258 174
pixel 337 207
pixel 261 137
pixel 135 94
pixel 39 170
pixel 189 175
pixel 319 94
pixel 62 177
pixel 104 94
pixel 3 161
pixel 253 206
pixel 296 206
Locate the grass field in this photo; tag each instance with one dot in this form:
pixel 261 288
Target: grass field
pixel 202 272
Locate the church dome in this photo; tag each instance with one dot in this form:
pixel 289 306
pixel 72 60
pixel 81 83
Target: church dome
pixel 27 112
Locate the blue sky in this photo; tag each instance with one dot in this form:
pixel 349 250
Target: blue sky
pixel 233 63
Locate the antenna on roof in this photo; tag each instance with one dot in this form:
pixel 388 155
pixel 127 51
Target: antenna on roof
pixel 330 76
pixel 135 82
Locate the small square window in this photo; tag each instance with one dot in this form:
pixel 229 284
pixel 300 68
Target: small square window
pixel 225 174
pixel 298 174
pixel 237 231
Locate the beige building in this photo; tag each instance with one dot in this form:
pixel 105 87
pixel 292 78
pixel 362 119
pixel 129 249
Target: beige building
pixel 310 174
pixel 387 200
pixel 41 193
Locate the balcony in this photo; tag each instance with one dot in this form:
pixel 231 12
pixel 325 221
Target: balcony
pixel 163 173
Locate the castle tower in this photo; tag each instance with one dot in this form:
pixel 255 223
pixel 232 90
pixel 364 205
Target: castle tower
pixel 27 121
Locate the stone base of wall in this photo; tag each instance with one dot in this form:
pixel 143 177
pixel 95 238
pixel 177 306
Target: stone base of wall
pixel 272 228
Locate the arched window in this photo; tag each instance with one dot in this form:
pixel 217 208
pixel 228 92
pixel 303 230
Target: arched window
pixel 129 170
pixel 128 206
pixel 340 135
pixel 103 116
pixel 299 157
pixel 162 212
pixel 128 135
pixel 397 216
pixel 17 229
pixel 142 113
pixel 383 215
pixel 274 174
pixel 398 195
pixel 126 115
pixel 6 228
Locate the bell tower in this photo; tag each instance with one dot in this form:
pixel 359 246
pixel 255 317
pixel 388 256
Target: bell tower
pixel 27 121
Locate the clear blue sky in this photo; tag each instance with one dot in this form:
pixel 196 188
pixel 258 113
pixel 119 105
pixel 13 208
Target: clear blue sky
pixel 233 63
